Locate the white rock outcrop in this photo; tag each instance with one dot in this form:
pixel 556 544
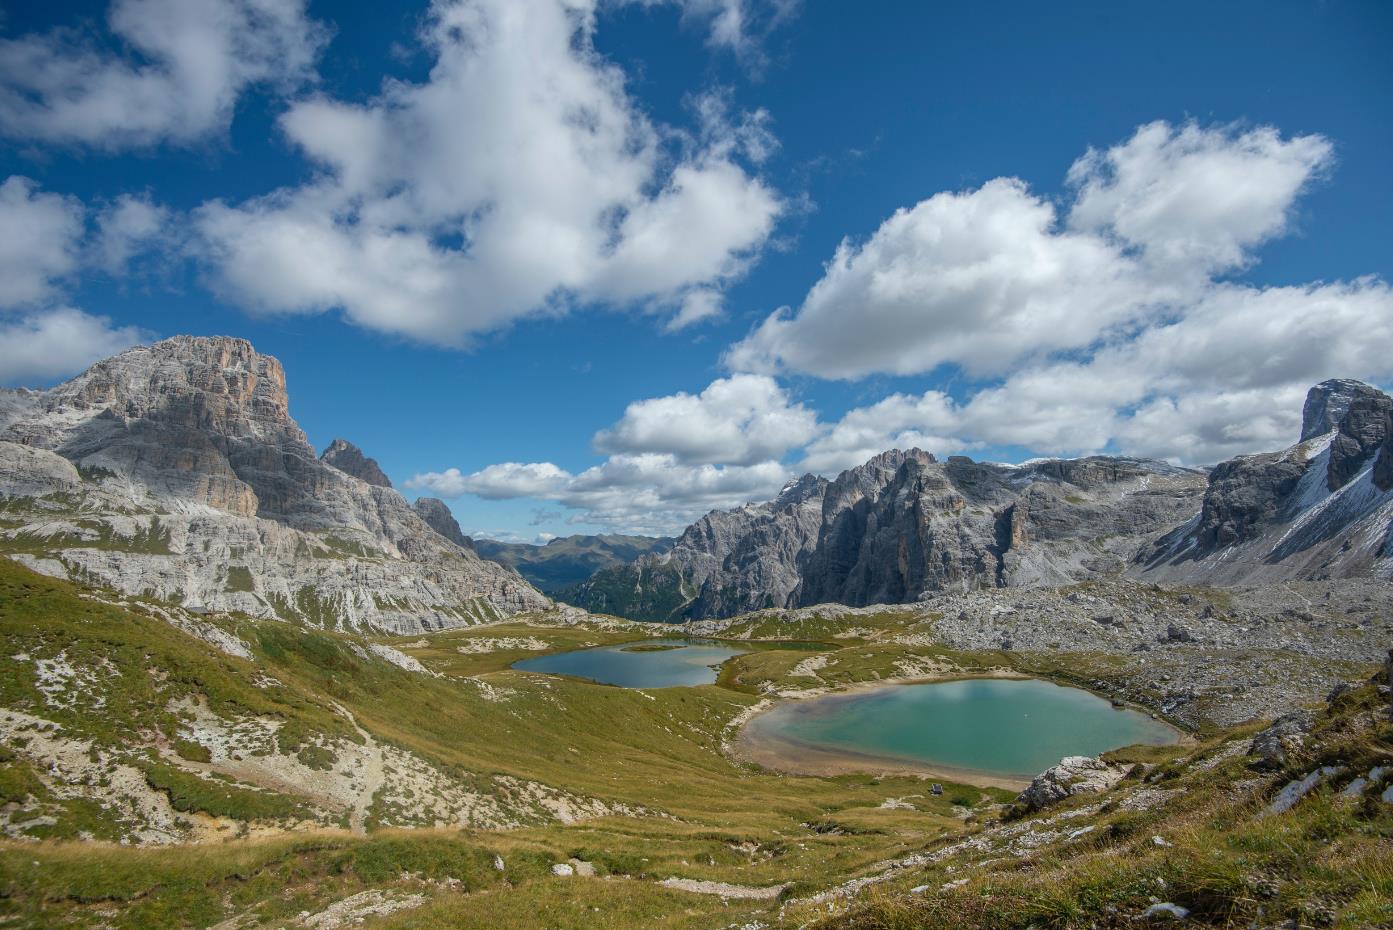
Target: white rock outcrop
pixel 175 471
pixel 1073 775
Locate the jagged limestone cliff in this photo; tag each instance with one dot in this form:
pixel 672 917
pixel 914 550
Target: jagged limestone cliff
pixel 350 460
pixel 902 526
pixel 1322 508
pixel 175 471
pixel 439 518
pixel 905 526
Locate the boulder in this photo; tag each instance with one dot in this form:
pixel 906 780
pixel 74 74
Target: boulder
pixel 1275 746
pixel 1073 775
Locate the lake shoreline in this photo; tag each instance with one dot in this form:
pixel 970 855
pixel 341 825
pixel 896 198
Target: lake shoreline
pixel 778 753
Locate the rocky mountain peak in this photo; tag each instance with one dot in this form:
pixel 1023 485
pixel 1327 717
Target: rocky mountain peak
pixel 800 490
pixel 892 459
pixel 1327 403
pixel 199 380
pixel 1311 510
pixel 350 460
pixel 439 518
pixel 1365 430
pixel 193 482
pixel 874 475
pixel 903 526
pixel 204 419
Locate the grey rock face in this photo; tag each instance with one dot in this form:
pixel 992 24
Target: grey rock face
pixel 1322 508
pixel 728 562
pixel 1275 746
pixel 1326 405
pixel 350 460
pixel 903 526
pixel 439 518
pixel 1073 775
pixel 954 526
pixel 202 420
pixel 753 558
pixel 1245 495
pixel 176 470
pixel 1364 431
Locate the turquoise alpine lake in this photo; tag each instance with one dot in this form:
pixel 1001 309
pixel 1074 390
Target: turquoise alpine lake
pixel 662 663
pixel 1009 729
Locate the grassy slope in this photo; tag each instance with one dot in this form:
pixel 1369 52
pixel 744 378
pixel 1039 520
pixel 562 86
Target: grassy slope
pixel 659 749
pixel 723 823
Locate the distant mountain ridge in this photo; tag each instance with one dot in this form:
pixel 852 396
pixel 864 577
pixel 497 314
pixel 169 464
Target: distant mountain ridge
pixel 901 526
pixel 1322 508
pixel 904 526
pixel 569 560
pixel 175 471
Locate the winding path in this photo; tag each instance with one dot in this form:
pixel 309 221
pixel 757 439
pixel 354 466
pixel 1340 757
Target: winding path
pixel 373 776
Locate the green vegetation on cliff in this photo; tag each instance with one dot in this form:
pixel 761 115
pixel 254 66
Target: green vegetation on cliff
pixel 640 591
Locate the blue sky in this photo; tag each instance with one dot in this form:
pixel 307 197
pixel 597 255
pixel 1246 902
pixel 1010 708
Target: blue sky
pixel 477 232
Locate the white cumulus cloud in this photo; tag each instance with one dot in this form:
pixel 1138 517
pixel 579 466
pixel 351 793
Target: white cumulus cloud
pixel 519 178
pixel 982 279
pixel 1226 379
pixel 991 278
pixel 44 245
pixel 646 493
pixel 40 241
pixel 40 347
pixel 1103 326
pixel 185 65
pixel 1195 200
pixel 741 420
pixel 670 459
pixel 127 227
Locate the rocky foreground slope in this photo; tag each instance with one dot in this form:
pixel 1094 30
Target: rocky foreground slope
pixel 300 760
pixel 901 527
pixel 905 527
pixel 175 471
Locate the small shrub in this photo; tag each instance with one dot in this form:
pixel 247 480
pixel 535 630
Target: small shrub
pixel 193 752
pixel 317 757
pixel 191 794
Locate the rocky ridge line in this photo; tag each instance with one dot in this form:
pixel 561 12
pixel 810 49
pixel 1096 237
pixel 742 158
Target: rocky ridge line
pixel 175 471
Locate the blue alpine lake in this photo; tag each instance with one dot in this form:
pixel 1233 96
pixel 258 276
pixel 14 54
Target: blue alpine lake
pixel 653 664
pixel 1010 729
